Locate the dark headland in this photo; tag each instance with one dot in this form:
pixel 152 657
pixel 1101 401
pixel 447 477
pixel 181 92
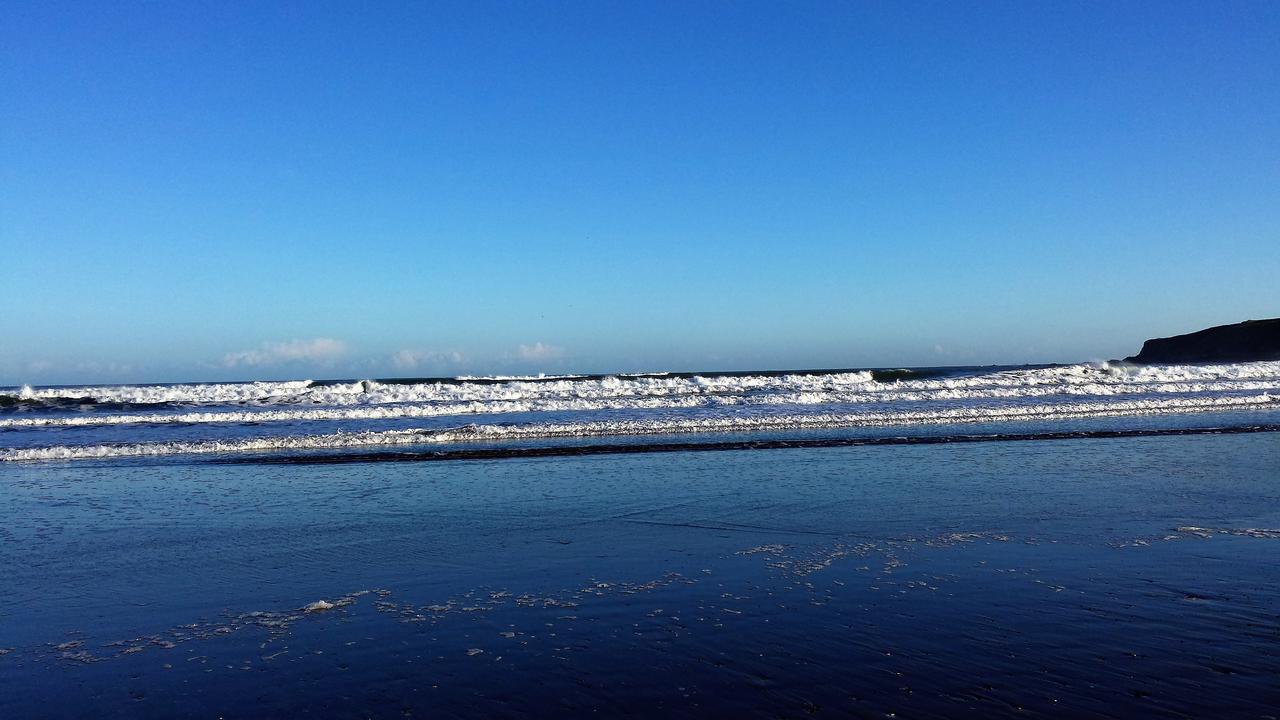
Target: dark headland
pixel 1243 342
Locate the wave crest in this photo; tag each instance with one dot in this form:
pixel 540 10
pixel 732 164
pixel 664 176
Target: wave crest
pixel 632 427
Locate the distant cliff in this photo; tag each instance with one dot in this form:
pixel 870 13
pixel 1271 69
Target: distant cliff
pixel 1242 342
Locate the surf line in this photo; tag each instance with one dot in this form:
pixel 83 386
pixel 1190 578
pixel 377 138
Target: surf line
pixel 643 448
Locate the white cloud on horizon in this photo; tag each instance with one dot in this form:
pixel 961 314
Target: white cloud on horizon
pixel 316 350
pixel 539 351
pixel 411 359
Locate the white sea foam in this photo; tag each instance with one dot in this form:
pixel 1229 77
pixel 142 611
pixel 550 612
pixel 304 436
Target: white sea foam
pixel 637 427
pixel 579 405
pixel 539 376
pixel 1085 379
pixel 880 394
pixel 189 393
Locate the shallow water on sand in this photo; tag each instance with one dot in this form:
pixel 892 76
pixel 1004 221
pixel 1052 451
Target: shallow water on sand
pixel 1092 577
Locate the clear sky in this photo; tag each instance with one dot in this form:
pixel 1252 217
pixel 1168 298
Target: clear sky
pixel 217 190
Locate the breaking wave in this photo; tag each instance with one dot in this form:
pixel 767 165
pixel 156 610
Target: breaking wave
pixel 482 407
pixel 1102 378
pixel 47 423
pixel 638 427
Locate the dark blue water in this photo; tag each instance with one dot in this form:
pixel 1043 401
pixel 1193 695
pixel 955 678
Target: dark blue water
pixel 1095 577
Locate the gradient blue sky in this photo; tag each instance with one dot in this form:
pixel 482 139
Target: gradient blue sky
pixel 218 190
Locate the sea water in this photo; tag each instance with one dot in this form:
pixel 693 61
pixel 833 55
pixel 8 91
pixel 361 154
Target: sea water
pixel 302 416
pixel 1093 541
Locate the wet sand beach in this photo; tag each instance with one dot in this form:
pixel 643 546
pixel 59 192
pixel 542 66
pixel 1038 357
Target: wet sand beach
pixel 1096 577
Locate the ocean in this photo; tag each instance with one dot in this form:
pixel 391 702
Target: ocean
pixel 1089 540
pixel 306 419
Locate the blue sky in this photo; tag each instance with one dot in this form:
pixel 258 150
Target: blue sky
pixel 196 191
